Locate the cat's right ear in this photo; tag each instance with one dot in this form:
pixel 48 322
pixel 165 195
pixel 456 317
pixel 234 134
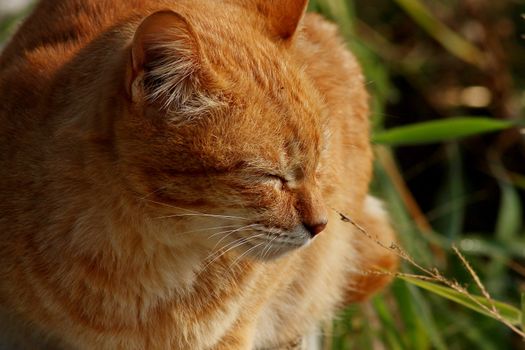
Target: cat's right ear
pixel 283 17
pixel 164 60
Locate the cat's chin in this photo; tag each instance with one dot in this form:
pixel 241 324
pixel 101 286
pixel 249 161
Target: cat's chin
pixel 267 245
pixel 273 253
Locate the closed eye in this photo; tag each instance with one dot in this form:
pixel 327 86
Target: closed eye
pixel 276 177
pixel 278 180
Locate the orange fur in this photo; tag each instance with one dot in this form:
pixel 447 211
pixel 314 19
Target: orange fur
pixel 163 166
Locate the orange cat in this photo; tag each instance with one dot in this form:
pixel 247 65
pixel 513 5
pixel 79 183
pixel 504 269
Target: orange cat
pixel 165 167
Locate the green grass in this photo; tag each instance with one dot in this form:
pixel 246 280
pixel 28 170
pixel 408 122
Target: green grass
pixel 406 47
pixel 415 314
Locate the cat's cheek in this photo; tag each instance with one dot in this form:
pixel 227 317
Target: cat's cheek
pixel 267 205
pixel 278 199
pixel 282 212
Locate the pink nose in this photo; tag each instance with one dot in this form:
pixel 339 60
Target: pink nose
pixel 316 228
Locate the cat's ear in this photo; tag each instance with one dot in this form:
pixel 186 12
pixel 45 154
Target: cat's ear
pixel 165 60
pixel 283 16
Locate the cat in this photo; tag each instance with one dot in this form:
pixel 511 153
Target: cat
pixel 173 173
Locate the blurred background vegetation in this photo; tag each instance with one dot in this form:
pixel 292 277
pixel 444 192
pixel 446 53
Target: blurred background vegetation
pixel 438 61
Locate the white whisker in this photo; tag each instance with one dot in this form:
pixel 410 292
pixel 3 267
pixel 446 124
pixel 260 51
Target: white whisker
pixel 203 215
pixel 268 247
pixel 243 255
pixel 229 233
pixel 189 211
pixel 208 229
pixel 152 193
pixel 232 245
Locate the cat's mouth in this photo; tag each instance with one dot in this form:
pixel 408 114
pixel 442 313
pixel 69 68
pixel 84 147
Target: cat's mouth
pixel 267 243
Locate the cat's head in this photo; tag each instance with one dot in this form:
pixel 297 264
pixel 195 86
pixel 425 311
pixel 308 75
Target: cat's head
pixel 222 135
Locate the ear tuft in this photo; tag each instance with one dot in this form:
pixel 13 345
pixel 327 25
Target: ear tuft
pixel 166 64
pixel 284 16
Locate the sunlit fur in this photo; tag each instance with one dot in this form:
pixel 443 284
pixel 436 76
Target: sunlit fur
pixel 160 163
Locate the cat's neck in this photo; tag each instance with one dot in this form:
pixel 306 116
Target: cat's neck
pixel 107 257
pixel 116 241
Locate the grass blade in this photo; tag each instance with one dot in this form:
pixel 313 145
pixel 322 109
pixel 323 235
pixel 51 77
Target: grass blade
pixel 509 219
pixel 508 227
pixel 508 312
pixel 439 131
pixel 417 331
pixel 451 196
pixel 451 41
pixel 522 311
pixel 392 336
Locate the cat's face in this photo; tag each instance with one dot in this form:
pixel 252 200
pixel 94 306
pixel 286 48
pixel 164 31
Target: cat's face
pixel 223 139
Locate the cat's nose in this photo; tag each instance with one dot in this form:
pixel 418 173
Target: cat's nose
pixel 316 228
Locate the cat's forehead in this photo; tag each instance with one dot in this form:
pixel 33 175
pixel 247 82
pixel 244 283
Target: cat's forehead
pixel 273 110
pixel 239 44
pixel 272 138
pixel 245 58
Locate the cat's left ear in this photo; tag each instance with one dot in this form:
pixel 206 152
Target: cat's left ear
pixel 165 64
pixel 283 16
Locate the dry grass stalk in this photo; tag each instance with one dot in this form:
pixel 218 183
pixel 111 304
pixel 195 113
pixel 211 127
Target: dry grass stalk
pixel 434 275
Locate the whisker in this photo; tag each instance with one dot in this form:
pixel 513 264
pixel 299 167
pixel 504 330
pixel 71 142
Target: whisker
pixel 229 233
pixel 189 211
pixel 244 240
pixel 235 230
pixel 169 205
pixel 232 265
pixel 152 193
pixel 268 247
pixel 203 215
pixel 208 229
pixel 221 249
pixel 232 245
pixel 214 256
